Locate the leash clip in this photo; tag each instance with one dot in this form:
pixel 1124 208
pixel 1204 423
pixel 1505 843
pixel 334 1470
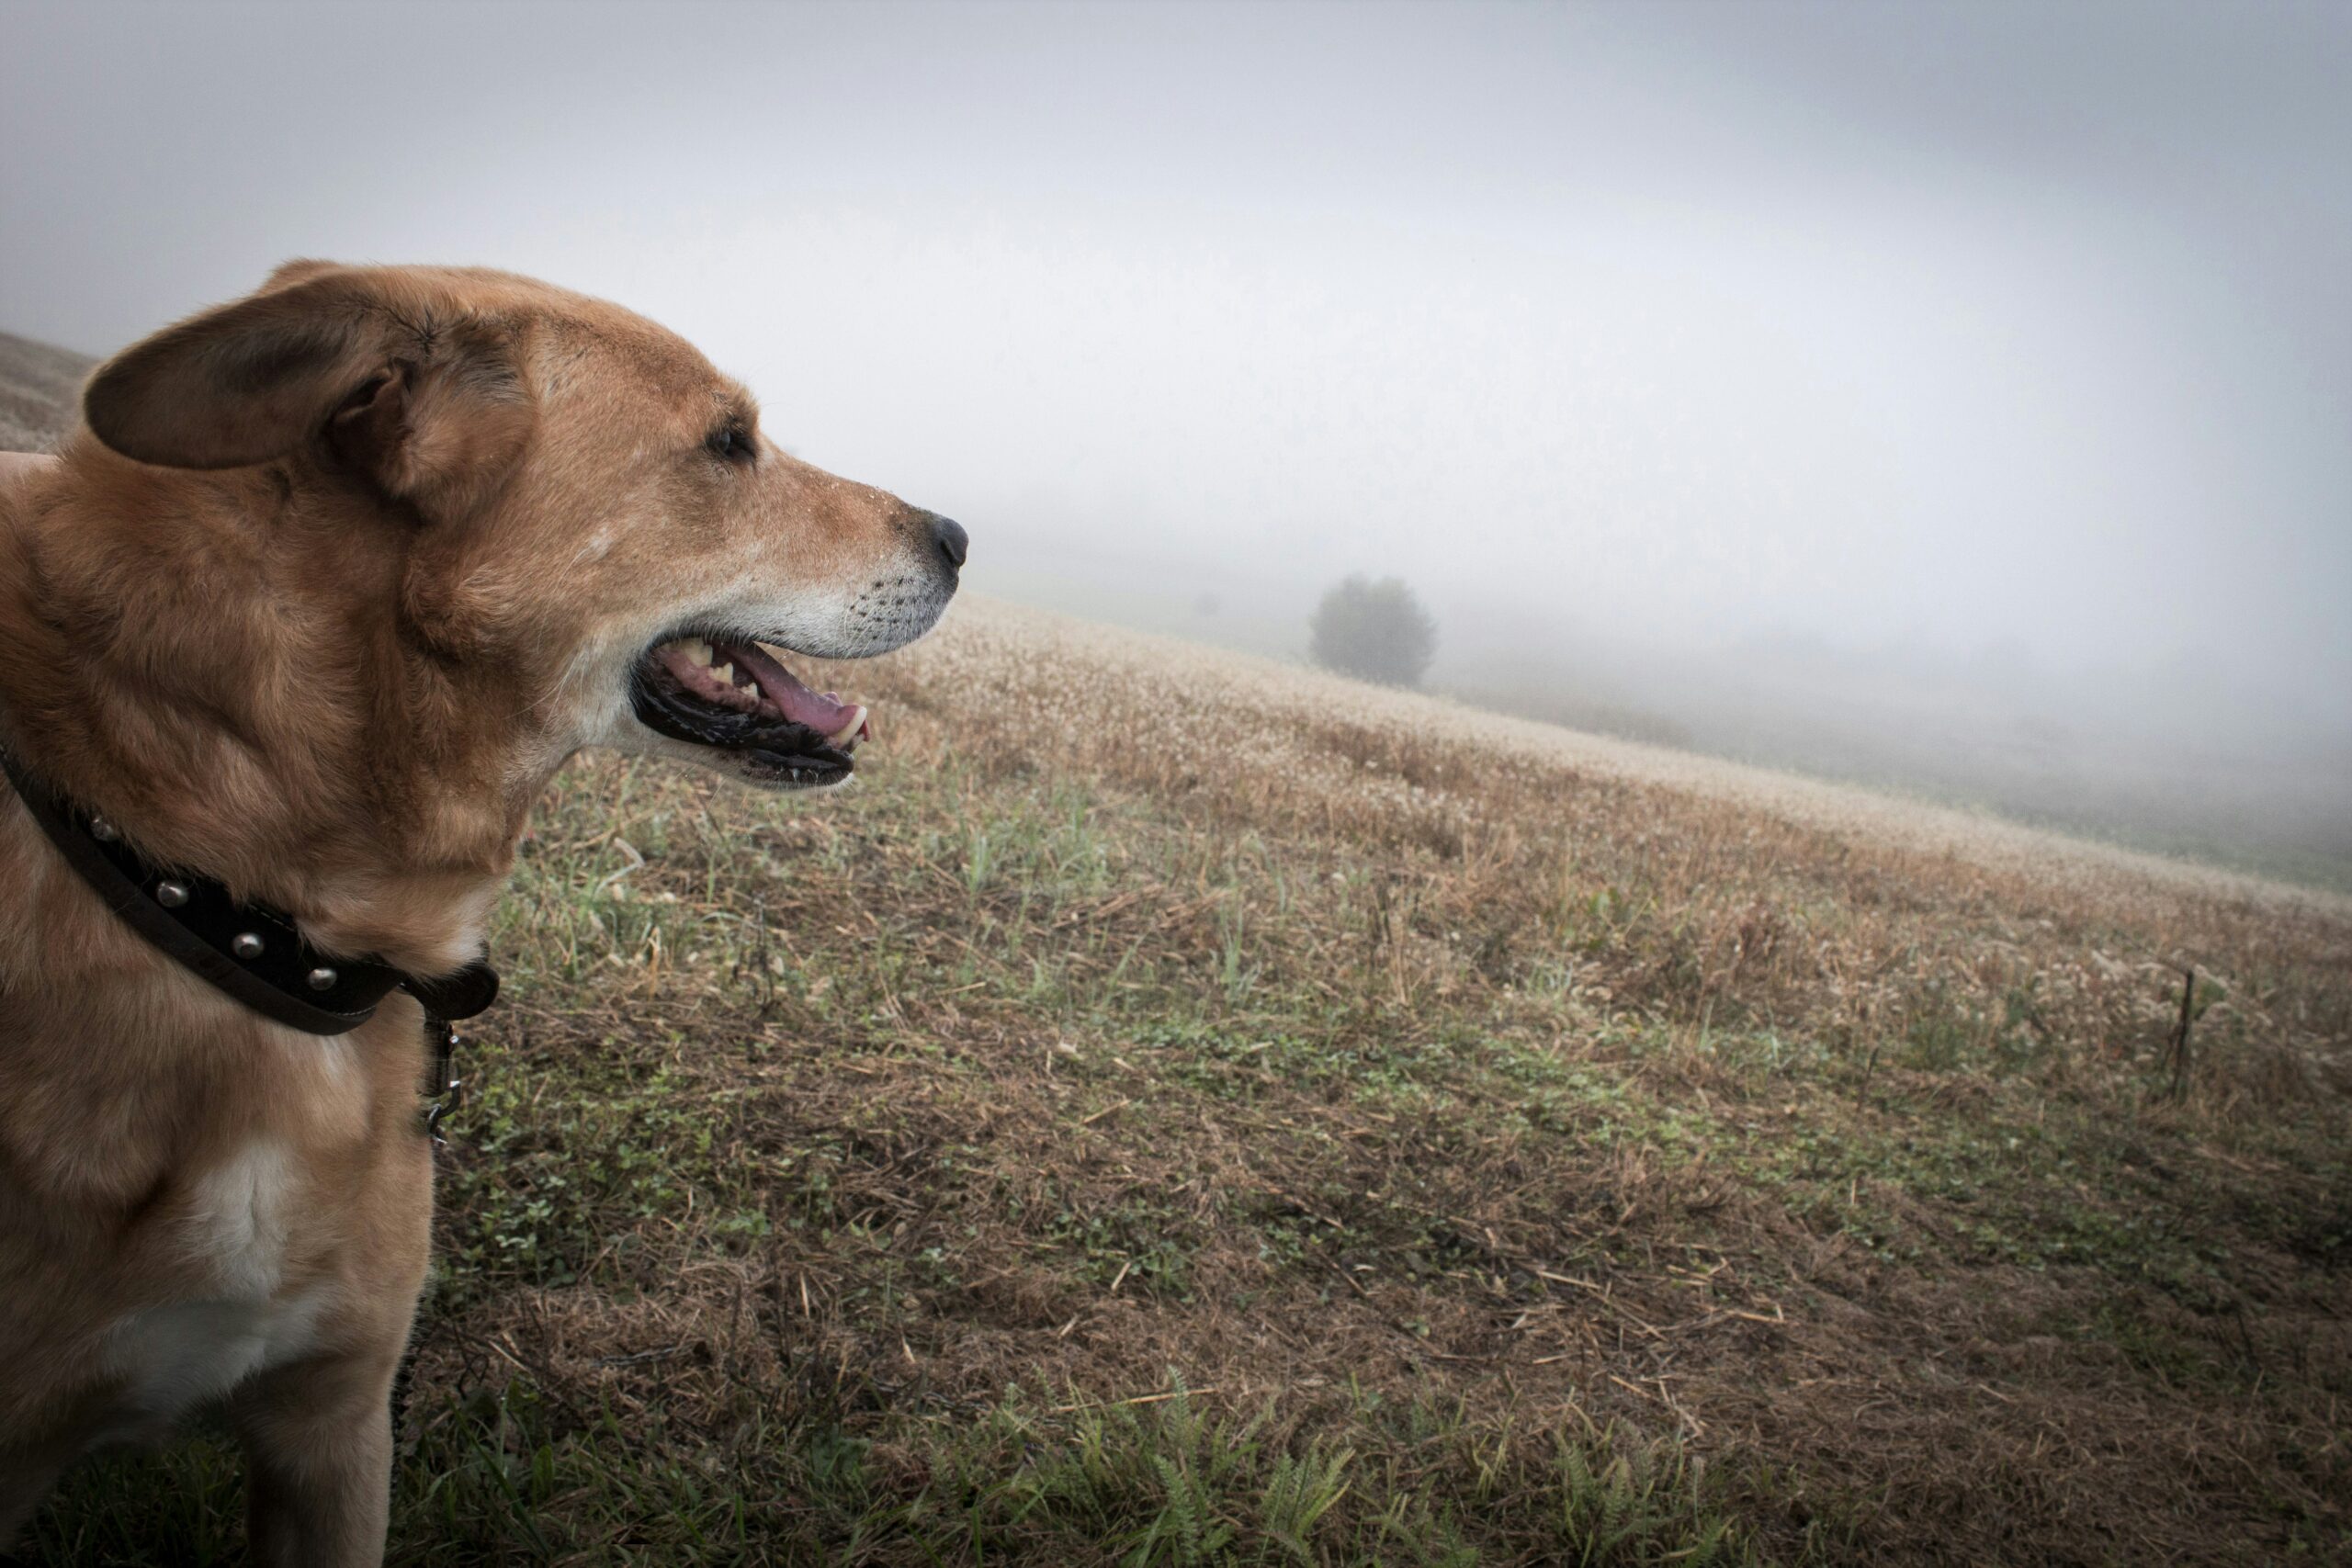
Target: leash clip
pixel 449 1091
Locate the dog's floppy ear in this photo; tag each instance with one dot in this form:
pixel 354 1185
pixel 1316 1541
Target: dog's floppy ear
pixel 422 397
pixel 245 382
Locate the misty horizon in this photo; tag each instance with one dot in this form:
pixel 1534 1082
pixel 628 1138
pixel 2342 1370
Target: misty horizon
pixel 1996 352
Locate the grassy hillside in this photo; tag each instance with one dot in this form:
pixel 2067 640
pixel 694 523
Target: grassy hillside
pixel 37 386
pixel 1174 1110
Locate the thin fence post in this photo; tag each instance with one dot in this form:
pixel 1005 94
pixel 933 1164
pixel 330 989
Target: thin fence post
pixel 2180 1036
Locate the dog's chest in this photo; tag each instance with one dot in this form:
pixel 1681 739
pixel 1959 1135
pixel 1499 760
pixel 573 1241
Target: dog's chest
pixel 237 1317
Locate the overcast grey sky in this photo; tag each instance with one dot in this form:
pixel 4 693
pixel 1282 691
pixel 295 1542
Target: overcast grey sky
pixel 1960 326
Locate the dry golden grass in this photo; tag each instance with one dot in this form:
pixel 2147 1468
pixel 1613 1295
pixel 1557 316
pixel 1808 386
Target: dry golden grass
pixel 1490 814
pixel 1496 1116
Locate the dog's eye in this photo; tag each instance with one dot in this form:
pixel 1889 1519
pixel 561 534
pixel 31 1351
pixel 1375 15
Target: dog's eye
pixel 733 444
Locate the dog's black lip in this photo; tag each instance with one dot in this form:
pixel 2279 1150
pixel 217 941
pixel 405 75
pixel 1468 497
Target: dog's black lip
pixel 774 748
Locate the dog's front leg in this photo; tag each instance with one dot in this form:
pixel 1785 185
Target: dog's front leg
pixel 318 1440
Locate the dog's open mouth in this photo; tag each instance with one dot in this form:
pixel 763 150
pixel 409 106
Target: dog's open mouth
pixel 738 697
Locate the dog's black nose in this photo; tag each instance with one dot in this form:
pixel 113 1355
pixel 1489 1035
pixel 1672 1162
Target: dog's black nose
pixel 951 538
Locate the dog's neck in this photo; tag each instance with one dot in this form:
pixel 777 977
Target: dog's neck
pixel 219 663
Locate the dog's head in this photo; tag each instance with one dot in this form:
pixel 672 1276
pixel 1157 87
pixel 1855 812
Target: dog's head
pixel 565 508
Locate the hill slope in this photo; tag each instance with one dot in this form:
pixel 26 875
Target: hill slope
pixel 1512 1152
pixel 37 387
pixel 1176 1109
pixel 1284 695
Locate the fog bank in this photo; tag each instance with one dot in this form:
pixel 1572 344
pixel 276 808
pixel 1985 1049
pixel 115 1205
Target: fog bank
pixel 1888 390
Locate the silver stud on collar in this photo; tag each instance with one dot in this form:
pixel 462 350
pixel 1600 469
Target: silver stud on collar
pixel 102 830
pixel 171 895
pixel 245 945
pixel 321 979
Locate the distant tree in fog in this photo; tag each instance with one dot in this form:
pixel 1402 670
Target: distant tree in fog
pixel 1374 631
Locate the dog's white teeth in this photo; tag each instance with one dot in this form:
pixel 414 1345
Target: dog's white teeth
pixel 725 671
pixel 843 736
pixel 753 688
pixel 699 650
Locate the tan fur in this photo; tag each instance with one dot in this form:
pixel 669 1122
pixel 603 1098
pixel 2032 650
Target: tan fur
pixel 400 535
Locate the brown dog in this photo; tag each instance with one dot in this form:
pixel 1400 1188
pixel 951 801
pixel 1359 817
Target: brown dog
pixel 336 577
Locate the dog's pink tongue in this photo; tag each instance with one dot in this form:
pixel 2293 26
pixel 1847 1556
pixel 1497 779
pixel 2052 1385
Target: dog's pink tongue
pixel 795 701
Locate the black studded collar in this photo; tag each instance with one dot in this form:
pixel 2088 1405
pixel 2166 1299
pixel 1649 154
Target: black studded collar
pixel 249 950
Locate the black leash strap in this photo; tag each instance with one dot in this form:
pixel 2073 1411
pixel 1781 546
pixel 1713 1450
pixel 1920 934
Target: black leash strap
pixel 448 1090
